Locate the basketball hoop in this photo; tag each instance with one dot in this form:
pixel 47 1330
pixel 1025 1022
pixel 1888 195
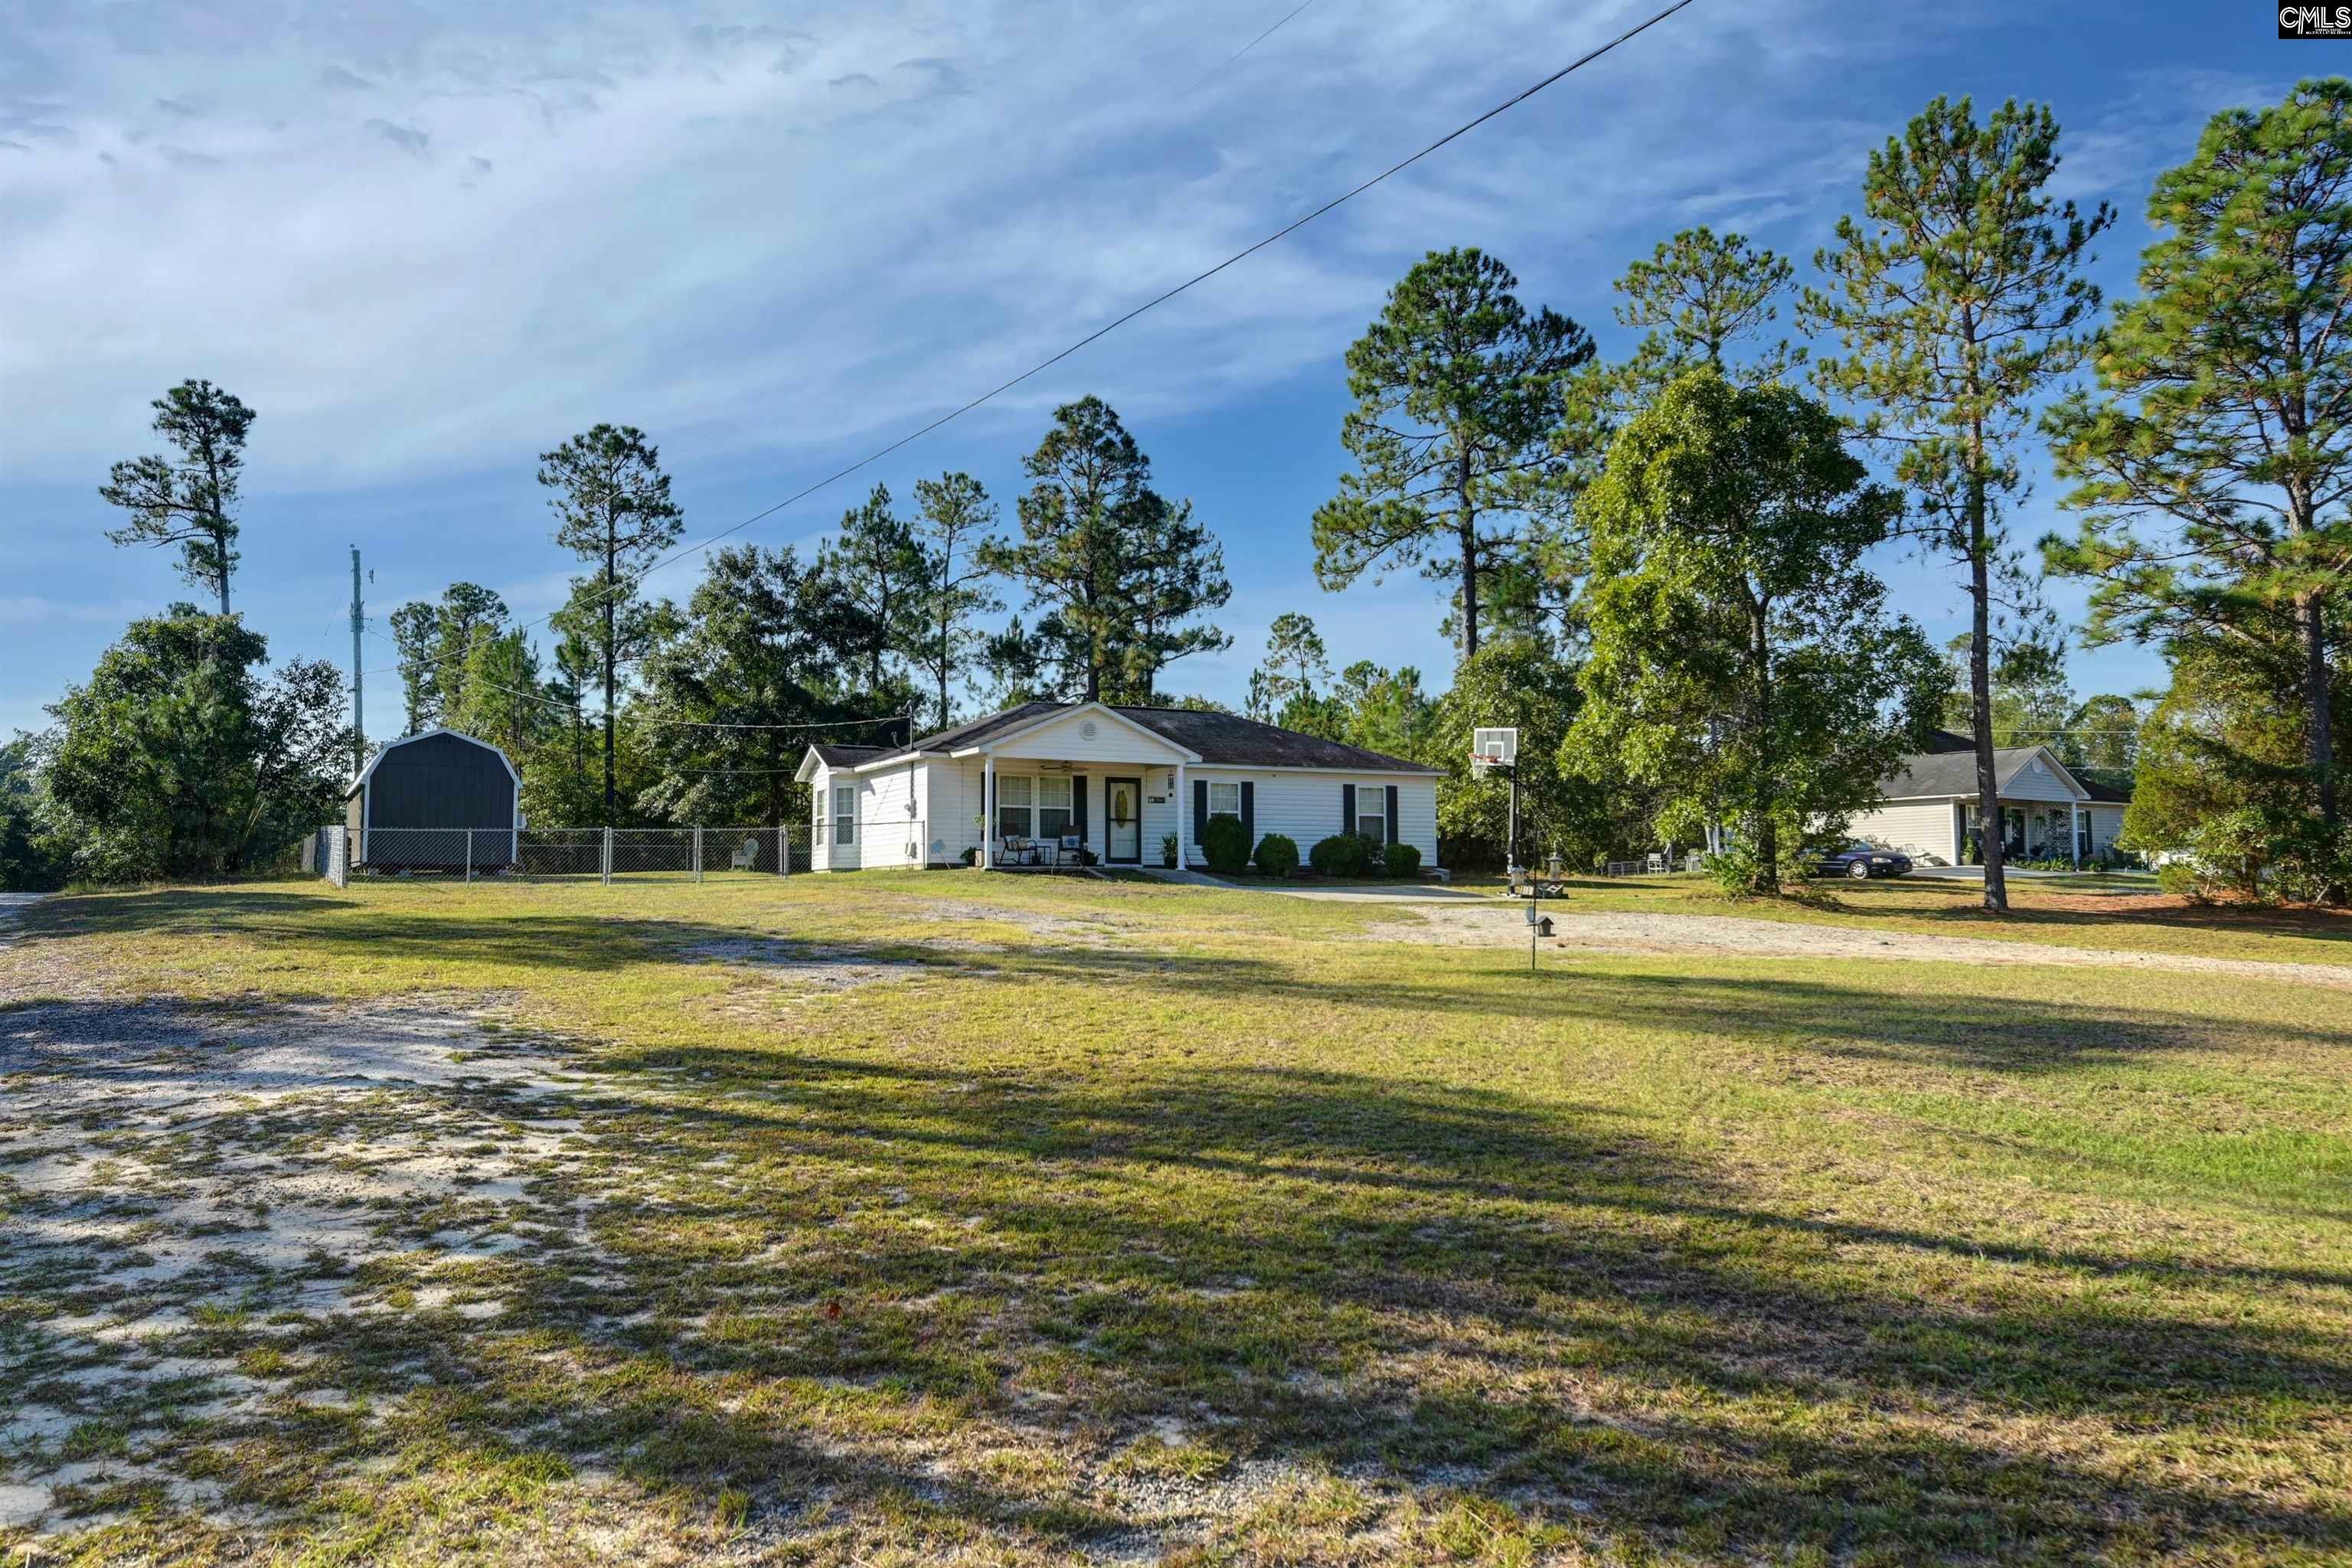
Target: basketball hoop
pixel 1492 749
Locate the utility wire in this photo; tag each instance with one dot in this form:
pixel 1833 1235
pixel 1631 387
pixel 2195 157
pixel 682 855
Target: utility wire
pixel 1264 36
pixel 1153 304
pixel 568 711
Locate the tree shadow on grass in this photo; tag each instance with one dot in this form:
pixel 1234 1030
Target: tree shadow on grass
pixel 857 1286
pixel 1549 1304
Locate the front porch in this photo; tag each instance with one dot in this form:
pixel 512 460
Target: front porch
pixel 2030 830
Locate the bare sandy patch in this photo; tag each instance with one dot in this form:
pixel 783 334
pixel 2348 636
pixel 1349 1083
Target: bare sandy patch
pixel 189 1190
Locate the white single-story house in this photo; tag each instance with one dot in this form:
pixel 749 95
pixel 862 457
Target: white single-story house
pixel 1122 779
pixel 1929 807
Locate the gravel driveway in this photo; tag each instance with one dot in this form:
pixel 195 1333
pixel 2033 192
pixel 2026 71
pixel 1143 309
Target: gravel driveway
pixel 1503 925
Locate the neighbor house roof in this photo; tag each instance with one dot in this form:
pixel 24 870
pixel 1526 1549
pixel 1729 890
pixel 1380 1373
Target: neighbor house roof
pixel 1953 772
pixel 1219 739
pixel 1949 767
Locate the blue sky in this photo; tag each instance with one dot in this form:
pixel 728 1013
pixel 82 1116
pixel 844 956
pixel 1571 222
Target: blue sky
pixel 428 241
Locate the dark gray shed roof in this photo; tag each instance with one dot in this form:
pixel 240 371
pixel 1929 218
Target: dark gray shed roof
pixel 1224 740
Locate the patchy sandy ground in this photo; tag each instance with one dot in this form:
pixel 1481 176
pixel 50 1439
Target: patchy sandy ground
pixel 1498 925
pixel 175 1177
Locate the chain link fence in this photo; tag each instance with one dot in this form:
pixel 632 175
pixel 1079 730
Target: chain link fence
pixel 602 855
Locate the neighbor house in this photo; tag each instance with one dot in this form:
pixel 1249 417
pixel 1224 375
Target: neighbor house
pixel 1120 780
pixel 2048 813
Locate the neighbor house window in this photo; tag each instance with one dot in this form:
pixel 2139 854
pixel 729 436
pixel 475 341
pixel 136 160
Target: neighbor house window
pixel 1053 808
pixel 1224 799
pixel 1015 796
pixel 845 814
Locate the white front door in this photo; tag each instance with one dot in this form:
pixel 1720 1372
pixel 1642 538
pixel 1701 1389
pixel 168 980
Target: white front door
pixel 1123 814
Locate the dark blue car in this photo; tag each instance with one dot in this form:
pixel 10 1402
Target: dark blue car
pixel 1863 861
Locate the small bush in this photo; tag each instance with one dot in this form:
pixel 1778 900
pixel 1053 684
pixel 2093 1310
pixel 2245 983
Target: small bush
pixel 1341 855
pixel 1403 860
pixel 2180 878
pixel 1224 843
pixel 1277 854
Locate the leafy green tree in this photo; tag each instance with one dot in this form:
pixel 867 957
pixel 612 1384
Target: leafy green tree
pixel 1294 661
pixel 877 569
pixel 2102 737
pixel 1457 388
pixel 1525 683
pixel 179 758
pixel 955 519
pixel 1117 570
pixel 25 863
pixel 2224 414
pixel 612 509
pixel 1958 294
pixel 435 641
pixel 750 651
pixel 2223 774
pixel 1743 663
pixel 503 701
pixel 1176 573
pixel 189 501
pixel 1706 299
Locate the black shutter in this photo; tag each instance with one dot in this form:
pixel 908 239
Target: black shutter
pixel 1249 813
pixel 1348 810
pixel 1200 811
pixel 1078 807
pixel 1392 814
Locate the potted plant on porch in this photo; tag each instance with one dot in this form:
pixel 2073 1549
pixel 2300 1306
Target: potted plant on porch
pixel 1168 850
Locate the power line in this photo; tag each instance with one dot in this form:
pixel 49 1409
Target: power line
pixel 1264 36
pixel 622 713
pixel 1155 302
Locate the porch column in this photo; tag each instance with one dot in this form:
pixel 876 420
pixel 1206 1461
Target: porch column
pixel 987 808
pixel 1183 812
pixel 2074 832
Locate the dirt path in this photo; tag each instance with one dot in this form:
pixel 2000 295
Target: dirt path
pixel 1503 925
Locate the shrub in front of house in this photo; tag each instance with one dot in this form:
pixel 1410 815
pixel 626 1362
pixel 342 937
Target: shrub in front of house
pixel 1277 854
pixel 1375 854
pixel 1402 860
pixel 1341 855
pixel 1224 843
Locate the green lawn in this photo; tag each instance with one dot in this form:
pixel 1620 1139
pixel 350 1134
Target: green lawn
pixel 1134 1223
pixel 2123 912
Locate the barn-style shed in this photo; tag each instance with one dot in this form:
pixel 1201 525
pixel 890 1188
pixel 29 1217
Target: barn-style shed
pixel 435 798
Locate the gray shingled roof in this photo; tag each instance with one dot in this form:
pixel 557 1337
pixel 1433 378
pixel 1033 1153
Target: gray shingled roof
pixel 1227 740
pixel 1952 773
pixel 848 756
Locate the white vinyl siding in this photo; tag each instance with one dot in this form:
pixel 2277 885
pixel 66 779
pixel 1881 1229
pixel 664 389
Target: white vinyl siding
pixel 1921 830
pixel 2036 781
pixel 1303 806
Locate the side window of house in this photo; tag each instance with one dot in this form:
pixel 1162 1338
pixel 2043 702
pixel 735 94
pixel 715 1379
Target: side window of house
pixel 1373 824
pixel 1224 799
pixel 1052 807
pixel 845 814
